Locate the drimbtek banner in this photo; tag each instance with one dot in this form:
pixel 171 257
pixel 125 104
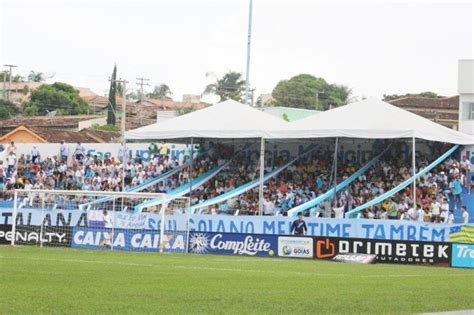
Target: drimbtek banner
pixel 386 251
pixel 233 244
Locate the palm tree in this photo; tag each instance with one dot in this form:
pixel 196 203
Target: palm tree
pixel 34 76
pixel 161 91
pixel 230 86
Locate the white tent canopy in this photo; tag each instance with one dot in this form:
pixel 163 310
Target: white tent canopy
pixel 229 119
pixel 372 119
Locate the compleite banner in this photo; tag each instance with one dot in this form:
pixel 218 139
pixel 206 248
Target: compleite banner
pixel 463 256
pixel 346 228
pixel 124 239
pixel 396 252
pixel 295 246
pixel 232 244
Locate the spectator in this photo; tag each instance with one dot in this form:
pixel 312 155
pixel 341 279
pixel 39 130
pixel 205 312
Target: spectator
pixel 465 215
pixel 35 154
pixel 64 151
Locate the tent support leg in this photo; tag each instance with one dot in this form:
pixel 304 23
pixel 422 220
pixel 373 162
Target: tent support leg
pixel 335 172
pixel 191 167
pixel 262 166
pixel 413 168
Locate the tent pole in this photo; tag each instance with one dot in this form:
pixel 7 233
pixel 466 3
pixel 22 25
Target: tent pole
pixel 191 167
pixel 335 172
pixel 413 168
pixel 262 166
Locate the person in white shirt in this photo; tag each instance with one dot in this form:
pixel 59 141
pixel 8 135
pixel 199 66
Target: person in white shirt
pixel 64 151
pixel 11 148
pixel 450 218
pixel 465 215
pixel 107 224
pixel 435 208
pixel 268 206
pixel 35 154
pixel 80 151
pixel 420 215
pixel 339 211
pixel 11 161
pixel 412 214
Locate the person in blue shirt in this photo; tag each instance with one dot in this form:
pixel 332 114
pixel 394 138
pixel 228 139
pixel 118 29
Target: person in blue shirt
pixel 456 190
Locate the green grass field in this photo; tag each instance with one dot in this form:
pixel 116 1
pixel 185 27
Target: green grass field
pixel 58 280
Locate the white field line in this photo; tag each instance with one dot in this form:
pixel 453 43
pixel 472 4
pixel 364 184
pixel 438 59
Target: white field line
pixel 241 270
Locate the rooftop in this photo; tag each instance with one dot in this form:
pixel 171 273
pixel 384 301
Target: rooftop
pixel 45 121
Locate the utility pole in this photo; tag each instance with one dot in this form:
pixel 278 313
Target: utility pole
pixel 4 97
pixel 141 84
pixel 249 39
pixel 251 100
pixel 10 79
pixel 122 123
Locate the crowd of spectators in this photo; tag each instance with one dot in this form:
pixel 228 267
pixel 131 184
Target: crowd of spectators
pixel 437 194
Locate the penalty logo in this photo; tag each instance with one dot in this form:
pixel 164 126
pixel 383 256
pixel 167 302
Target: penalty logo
pixel 199 243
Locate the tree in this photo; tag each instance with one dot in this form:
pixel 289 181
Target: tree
pixel 36 76
pixel 7 109
pixel 59 97
pixel 309 92
pixel 111 118
pixel 427 94
pixel 6 76
pixel 230 86
pixel 160 92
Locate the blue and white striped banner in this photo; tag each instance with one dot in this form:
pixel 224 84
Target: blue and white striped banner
pixel 396 189
pixel 241 189
pixel 340 186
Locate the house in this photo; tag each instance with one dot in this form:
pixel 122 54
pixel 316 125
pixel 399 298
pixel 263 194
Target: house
pixel 444 110
pixel 56 123
pixel 21 91
pixel 24 134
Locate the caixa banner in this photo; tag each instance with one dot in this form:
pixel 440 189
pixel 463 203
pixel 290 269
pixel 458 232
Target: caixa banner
pixel 126 239
pixel 233 244
pixel 386 251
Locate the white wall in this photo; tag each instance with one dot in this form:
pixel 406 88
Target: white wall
pixel 88 123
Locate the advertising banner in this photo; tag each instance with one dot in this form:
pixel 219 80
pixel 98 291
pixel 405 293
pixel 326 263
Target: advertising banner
pixel 463 256
pixel 127 239
pixel 48 236
pixel 386 251
pixel 277 225
pixel 5 234
pixel 294 246
pixel 233 244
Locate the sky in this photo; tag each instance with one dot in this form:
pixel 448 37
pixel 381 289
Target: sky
pixel 375 48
